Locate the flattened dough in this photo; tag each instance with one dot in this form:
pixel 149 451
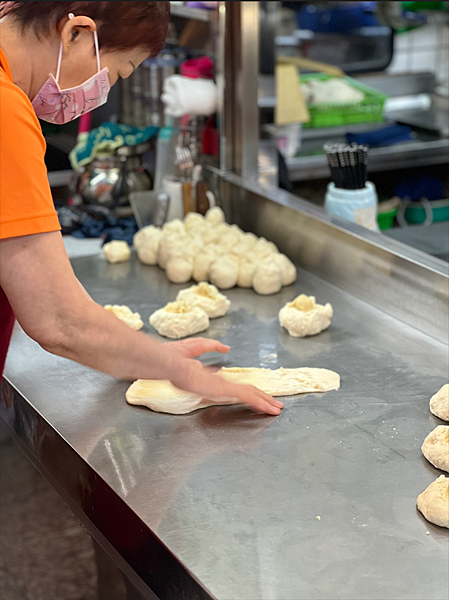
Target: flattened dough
pixel 207 297
pixel 125 314
pixel 284 382
pixel 434 502
pixel 436 447
pixel 177 320
pixel 439 403
pixel 304 317
pixel 117 251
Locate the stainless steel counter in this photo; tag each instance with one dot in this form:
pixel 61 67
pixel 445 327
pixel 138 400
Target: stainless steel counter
pixel 224 503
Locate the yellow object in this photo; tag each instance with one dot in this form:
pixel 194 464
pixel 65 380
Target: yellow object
pixel 312 65
pixel 290 103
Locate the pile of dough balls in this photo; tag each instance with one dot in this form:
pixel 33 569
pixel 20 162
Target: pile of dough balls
pixel 208 249
pixel 191 311
pixel 304 317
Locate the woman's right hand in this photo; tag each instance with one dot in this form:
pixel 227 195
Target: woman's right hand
pixel 192 376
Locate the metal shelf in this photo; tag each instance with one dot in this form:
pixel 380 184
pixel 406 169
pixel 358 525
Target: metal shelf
pixel 197 14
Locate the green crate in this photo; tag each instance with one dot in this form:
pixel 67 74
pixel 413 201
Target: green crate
pixel 368 110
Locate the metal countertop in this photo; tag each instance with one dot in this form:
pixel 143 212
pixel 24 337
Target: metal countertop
pixel 234 497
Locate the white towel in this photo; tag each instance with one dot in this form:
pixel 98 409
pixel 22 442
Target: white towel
pixel 186 96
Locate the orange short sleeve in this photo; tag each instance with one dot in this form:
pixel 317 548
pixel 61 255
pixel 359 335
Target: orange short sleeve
pixel 26 204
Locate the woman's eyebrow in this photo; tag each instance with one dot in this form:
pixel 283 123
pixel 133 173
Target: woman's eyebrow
pixel 134 68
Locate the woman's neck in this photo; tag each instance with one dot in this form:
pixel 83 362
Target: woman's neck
pixel 30 59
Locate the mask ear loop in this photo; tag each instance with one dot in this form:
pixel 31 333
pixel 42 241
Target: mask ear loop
pixel 58 69
pixel 97 50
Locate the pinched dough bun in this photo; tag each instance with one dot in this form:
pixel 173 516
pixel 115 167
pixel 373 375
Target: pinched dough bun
pixel 267 278
pixel 117 251
pixel 215 216
pixel 304 317
pixel 439 403
pixel 125 314
pixel 436 447
pixel 146 242
pixel 223 272
pixel 207 297
pixel 434 502
pixel 178 320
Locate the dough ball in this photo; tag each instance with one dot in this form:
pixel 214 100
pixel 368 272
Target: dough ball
pixel 168 246
pixel 178 320
pixel 247 268
pixel 201 265
pixel 288 269
pixel 176 227
pixel 267 277
pixel 439 403
pixel 125 314
pixel 208 234
pixel 215 216
pixel 117 251
pixel 264 248
pixel 436 447
pixel 147 244
pixel 304 317
pixel 193 220
pixel 223 272
pixel 433 503
pixel 179 269
pixel 245 244
pixel 207 297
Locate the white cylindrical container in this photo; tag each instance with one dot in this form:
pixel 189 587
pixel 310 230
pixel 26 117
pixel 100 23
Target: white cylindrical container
pixel 175 206
pixel 357 206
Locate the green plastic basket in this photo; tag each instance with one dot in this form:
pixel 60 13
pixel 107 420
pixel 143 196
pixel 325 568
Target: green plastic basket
pixel 368 110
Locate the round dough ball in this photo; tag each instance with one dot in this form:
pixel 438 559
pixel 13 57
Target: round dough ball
pixel 117 251
pixel 288 269
pixel 247 268
pixel 264 248
pixel 179 269
pixel 223 272
pixel 267 277
pixel 169 245
pixel 439 403
pixel 201 265
pixel 433 503
pixel 176 227
pixel 207 297
pixel 148 244
pixel 304 317
pixel 125 314
pixel 436 447
pixel 193 220
pixel 178 320
pixel 215 216
pixel 207 233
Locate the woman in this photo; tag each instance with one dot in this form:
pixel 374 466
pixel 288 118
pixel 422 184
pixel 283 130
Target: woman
pixel 87 46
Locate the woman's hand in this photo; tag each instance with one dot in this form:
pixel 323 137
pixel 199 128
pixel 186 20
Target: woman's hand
pixel 192 347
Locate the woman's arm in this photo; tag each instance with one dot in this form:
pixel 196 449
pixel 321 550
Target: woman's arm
pixel 55 310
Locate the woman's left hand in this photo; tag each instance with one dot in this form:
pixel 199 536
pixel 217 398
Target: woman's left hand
pixel 192 347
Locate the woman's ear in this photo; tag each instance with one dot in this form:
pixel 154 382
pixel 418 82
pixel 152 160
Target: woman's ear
pixel 72 28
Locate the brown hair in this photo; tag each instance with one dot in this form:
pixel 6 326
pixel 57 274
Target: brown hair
pixel 120 25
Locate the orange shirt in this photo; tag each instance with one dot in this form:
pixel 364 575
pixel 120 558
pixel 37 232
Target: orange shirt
pixel 26 204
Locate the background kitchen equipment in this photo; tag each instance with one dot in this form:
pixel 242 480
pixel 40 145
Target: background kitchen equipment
pixel 108 180
pixel 149 207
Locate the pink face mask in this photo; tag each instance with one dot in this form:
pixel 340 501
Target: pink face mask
pixel 61 106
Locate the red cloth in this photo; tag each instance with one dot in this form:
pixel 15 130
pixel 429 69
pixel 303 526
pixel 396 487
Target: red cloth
pixel 6 324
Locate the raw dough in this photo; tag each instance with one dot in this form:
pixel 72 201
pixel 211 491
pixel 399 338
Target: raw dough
pixel 202 264
pixel 439 403
pixel 162 396
pixel 247 268
pixel 179 269
pixel 117 251
pixel 288 269
pixel 193 220
pixel 434 502
pixel 223 272
pixel 125 314
pixel 284 382
pixel 267 277
pixel 178 320
pixel 304 317
pixel 215 216
pixel 175 227
pixel 146 242
pixel 170 245
pixel 436 447
pixel 264 248
pixel 207 297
